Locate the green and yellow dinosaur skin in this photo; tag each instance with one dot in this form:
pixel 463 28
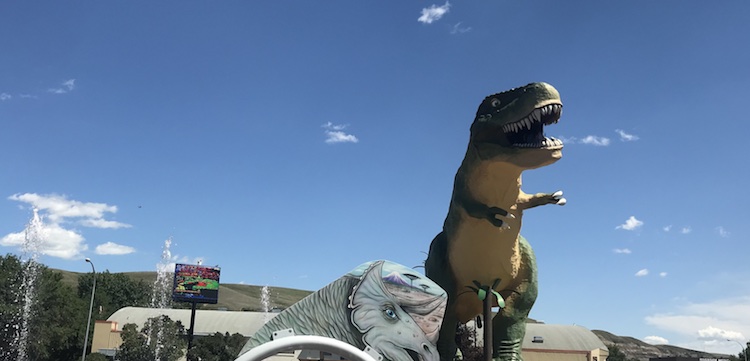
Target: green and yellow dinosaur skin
pixel 480 242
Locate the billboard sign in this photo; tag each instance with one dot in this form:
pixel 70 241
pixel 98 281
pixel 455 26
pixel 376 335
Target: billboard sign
pixel 195 283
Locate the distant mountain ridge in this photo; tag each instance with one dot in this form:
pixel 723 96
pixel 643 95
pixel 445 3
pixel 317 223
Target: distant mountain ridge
pixel 637 349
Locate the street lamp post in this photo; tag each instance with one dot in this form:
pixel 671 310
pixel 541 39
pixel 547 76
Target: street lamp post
pixel 91 306
pixel 743 348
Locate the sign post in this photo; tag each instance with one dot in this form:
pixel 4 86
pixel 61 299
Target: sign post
pixel 195 284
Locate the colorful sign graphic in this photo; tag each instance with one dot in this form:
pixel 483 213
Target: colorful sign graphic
pixel 194 283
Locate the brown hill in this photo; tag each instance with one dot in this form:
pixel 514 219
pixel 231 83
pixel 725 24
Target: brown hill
pixel 634 348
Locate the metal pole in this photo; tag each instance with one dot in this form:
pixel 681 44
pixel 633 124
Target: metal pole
pixel 487 314
pixel 743 348
pixel 91 307
pixel 192 327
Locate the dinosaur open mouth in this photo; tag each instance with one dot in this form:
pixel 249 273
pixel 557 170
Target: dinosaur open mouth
pixel 528 132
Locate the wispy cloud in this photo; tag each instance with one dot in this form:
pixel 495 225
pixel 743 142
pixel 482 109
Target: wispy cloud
pixel 595 140
pixel 335 134
pixel 656 340
pixel 588 140
pixel 58 214
pixel 622 251
pixel 641 273
pixel 686 230
pixel 458 29
pixel 667 228
pixel 630 224
pixel 662 274
pixel 722 232
pixel 111 248
pixel 433 13
pixel 67 86
pixel 625 137
pixel 5 96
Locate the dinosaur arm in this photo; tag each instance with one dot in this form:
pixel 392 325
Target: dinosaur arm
pixel 526 201
pixel 474 208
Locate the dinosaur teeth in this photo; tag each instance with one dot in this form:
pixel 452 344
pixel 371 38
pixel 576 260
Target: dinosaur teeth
pixel 537 114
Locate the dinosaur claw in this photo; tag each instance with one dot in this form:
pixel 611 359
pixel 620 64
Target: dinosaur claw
pixel 557 195
pixel 562 202
pixel 505 227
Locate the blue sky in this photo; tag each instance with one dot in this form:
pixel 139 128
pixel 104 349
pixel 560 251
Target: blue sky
pixel 289 142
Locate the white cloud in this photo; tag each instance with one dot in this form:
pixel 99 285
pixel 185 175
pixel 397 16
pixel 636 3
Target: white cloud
pixel 641 273
pixel 67 86
pixel 667 228
pixel 55 241
pixel 59 207
pixel 5 96
pixel 458 29
pixel 662 274
pixel 712 323
pixel 714 333
pixel 722 232
pixel 625 137
pixel 686 230
pixel 433 13
pixel 103 223
pixel 110 248
pixel 335 134
pixel 630 224
pixel 56 212
pixel 656 340
pixel 594 140
pixel 622 251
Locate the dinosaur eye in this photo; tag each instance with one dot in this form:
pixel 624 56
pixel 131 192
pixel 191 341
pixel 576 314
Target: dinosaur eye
pixel 389 312
pixel 495 102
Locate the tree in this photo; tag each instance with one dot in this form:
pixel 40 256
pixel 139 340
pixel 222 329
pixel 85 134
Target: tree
pixel 113 292
pixel 161 339
pixel 217 347
pixel 466 341
pixel 55 317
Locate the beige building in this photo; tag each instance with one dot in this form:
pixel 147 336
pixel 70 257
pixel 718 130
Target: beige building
pixel 543 342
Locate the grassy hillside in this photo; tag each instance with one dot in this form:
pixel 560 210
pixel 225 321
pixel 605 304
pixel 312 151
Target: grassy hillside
pixel 233 297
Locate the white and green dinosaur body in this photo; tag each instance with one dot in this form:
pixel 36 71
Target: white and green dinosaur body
pixel 480 244
pixel 381 304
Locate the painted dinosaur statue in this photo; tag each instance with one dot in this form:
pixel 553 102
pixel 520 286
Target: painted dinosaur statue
pixel 391 308
pixel 480 244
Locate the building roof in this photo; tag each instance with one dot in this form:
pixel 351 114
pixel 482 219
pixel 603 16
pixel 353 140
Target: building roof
pixel 207 322
pixel 561 338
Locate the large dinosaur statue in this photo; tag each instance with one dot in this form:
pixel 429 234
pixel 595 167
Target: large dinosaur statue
pixel 381 304
pixel 480 244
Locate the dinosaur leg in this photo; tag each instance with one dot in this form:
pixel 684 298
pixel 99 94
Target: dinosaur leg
pixel 438 270
pixel 509 326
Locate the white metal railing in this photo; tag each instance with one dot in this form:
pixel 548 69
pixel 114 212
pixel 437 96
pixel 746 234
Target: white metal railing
pixel 293 343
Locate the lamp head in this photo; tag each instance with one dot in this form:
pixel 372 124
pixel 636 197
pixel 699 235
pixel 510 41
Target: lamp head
pixel 88 260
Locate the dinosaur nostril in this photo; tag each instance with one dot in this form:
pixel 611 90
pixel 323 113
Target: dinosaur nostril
pixel 426 348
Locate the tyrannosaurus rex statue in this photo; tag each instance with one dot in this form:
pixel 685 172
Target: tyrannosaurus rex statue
pixel 480 243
